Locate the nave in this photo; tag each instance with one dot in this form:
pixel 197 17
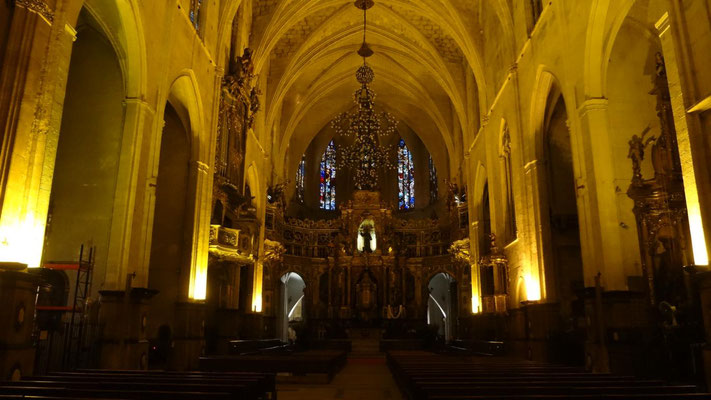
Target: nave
pixel 396 374
pixel 355 198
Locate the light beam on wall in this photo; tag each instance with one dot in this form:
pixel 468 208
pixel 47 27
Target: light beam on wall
pixel 198 286
pixel 696 228
pixel 257 292
pixel 21 241
pixel 533 287
pixel 476 299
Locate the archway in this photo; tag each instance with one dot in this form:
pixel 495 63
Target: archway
pixel 561 203
pixel 88 150
pixel 441 305
pixel 171 234
pixel 291 305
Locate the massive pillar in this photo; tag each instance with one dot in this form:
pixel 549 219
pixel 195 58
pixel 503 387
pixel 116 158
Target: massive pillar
pixel 25 102
pixel 597 204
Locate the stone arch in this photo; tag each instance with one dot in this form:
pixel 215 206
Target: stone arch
pixel 122 22
pixel 184 96
pixel 606 18
pixel 442 293
pixel 86 169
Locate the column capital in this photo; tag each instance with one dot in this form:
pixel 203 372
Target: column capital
pixel 593 104
pixel 531 166
pixel 202 167
pixel 663 24
pixel 38 6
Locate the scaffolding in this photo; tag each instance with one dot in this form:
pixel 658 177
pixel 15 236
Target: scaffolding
pixel 74 343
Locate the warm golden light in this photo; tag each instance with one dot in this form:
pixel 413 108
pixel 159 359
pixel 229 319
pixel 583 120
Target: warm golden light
pixel 198 283
pixel 476 300
pixel 257 293
pixel 533 288
pixel 22 242
pixel 698 238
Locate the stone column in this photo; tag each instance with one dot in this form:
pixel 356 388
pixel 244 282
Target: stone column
pixel 201 238
pixel 597 203
pixel 24 121
pixel 539 237
pixel 134 199
pixel 17 296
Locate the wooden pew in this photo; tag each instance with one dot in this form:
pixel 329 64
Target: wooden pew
pixel 108 384
pixel 428 376
pixel 327 362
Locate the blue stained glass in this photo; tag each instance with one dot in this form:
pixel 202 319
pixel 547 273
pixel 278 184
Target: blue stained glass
pixel 300 174
pixel 328 178
pixel 195 13
pixel 406 177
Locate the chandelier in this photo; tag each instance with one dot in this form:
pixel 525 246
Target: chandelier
pixel 365 126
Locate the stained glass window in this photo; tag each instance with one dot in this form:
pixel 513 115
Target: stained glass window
pixel 434 191
pixel 405 177
pixel 195 13
pixel 300 173
pixel 328 178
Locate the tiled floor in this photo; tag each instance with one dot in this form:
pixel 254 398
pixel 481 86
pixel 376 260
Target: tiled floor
pixel 368 379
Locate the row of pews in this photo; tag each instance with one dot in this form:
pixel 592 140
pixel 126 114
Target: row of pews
pixel 315 362
pixel 140 385
pixel 423 375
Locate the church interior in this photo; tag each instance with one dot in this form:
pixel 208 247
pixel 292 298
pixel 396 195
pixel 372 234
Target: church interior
pixel 317 199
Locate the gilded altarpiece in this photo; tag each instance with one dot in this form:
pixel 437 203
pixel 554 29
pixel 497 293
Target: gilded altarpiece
pixel 367 265
pixel 659 203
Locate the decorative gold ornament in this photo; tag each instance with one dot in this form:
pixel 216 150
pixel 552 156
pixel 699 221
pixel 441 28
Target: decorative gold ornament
pixel 38 6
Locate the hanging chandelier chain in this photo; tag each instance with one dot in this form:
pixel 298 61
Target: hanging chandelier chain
pixel 366 154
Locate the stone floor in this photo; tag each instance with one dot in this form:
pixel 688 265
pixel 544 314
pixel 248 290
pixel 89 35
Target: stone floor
pixel 362 378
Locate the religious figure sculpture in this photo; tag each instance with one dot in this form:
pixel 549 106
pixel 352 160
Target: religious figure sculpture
pixel 366 233
pixel 636 153
pixel 254 106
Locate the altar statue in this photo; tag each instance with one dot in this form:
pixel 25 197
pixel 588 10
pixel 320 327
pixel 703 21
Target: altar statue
pixel 367 242
pixel 367 238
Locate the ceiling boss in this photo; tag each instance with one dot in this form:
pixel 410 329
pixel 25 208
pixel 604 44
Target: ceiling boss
pixel 366 154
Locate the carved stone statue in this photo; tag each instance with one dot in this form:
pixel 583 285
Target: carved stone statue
pixel 636 154
pixel 254 106
pixel 244 67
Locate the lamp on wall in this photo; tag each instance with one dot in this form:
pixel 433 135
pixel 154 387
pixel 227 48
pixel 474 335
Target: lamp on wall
pixel 366 154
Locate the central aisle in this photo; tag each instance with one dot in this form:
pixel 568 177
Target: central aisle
pixel 365 376
pixel 362 378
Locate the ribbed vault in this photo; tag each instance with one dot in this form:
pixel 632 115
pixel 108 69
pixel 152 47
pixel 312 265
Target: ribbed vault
pixel 424 50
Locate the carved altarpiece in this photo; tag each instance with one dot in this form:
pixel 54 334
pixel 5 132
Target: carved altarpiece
pixel 660 205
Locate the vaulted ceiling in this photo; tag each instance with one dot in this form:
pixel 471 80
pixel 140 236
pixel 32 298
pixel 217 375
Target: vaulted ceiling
pixel 436 62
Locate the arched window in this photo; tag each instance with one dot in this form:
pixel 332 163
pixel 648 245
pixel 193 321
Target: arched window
pixel 195 13
pixel 328 178
pixel 300 172
pixel 405 177
pixel 434 191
